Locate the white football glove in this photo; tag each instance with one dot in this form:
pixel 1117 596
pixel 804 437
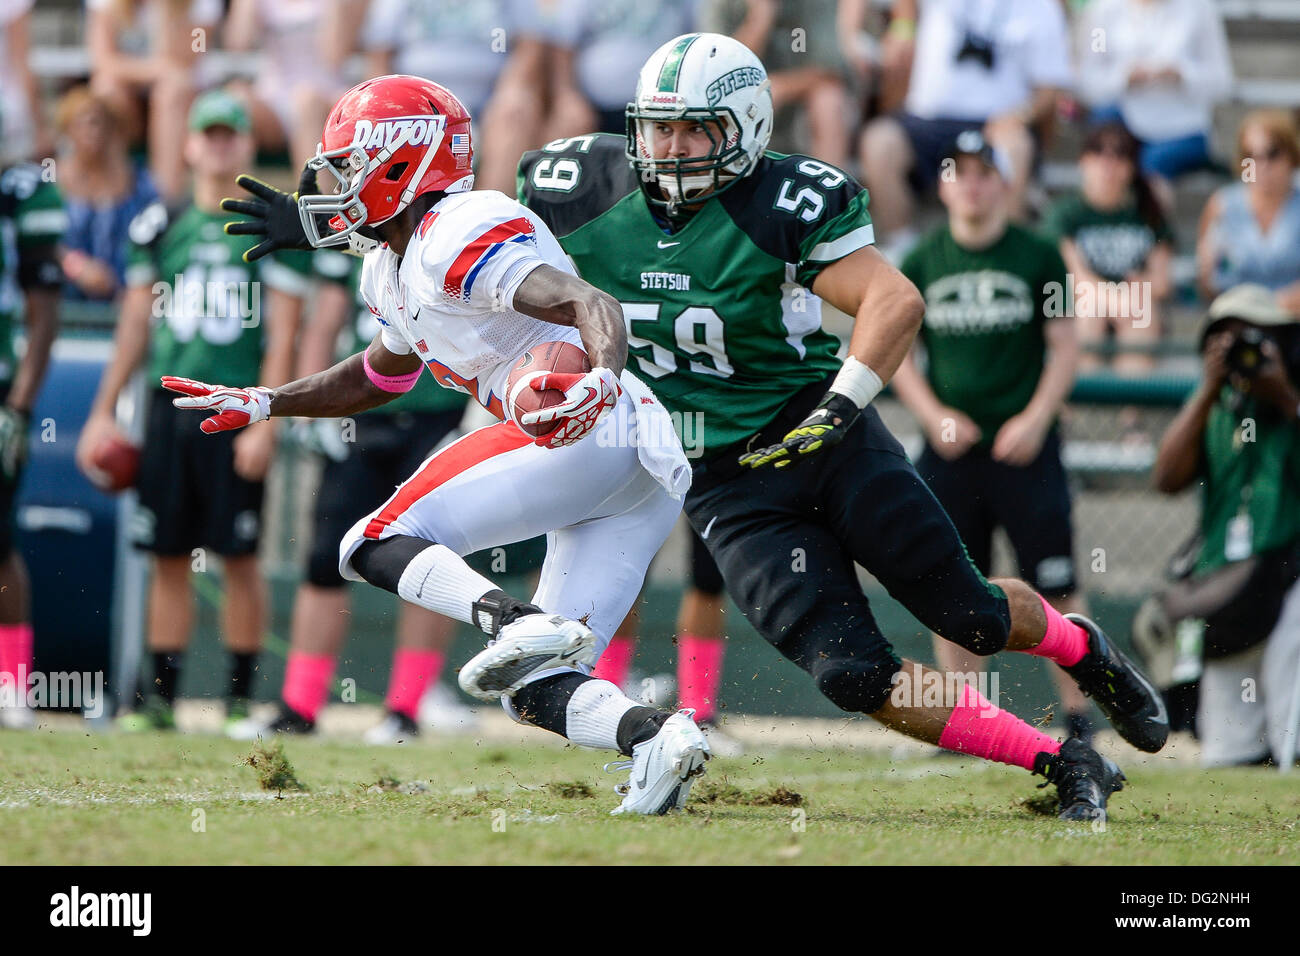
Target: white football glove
pixel 586 398
pixel 236 407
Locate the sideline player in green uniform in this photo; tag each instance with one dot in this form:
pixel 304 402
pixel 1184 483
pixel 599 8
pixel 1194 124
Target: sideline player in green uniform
pixel 365 458
pixel 1000 368
pixel 721 254
pixel 215 317
pixel 32 222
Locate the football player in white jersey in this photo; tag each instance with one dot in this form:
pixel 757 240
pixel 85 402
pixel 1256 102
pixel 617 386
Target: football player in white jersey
pixel 465 283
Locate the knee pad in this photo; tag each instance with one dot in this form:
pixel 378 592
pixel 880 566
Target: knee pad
pixel 859 685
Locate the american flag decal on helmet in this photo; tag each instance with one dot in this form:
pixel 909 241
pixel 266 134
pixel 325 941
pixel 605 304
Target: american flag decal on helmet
pixel 460 143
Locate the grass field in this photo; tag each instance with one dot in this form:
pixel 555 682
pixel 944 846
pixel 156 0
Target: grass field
pixel 69 797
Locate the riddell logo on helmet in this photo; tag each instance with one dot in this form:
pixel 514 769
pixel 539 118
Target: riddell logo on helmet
pixel 398 131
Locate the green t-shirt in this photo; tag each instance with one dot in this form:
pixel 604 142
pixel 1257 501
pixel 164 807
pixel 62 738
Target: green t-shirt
pixel 721 320
pixel 984 315
pixel 32 221
pixel 209 306
pixel 1114 242
pixel 339 268
pixel 1250 474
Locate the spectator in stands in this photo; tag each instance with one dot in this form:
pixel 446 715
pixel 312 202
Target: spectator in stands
pixel 295 83
pixel 23 131
pixel 991 65
pixel 486 51
pixel 1238 438
pixel 219 319
pixel 594 48
pixel 103 190
pixel 144 57
pixel 1250 231
pixel 1114 231
pixel 1001 355
pixel 1160 66
pixel 798 41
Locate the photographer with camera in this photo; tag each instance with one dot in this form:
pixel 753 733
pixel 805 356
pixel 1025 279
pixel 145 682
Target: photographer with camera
pixel 1238 436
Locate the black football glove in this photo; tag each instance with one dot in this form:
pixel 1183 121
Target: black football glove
pixel 273 214
pixel 825 427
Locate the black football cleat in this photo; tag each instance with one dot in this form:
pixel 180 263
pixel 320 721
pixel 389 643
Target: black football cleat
pixel 1128 699
pixel 1084 779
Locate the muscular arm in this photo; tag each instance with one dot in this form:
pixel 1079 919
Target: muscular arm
pixel 887 308
pixel 343 389
pixel 554 296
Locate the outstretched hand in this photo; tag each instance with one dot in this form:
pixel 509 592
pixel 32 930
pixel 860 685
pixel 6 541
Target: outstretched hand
pixel 273 214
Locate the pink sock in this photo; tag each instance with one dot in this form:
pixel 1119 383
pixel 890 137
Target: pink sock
pixel 307 682
pixel 616 661
pixel 1065 642
pixel 16 644
pixel 413 672
pixel 699 673
pixel 978 728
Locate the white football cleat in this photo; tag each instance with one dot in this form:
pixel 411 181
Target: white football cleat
pixel 663 767
pixel 532 643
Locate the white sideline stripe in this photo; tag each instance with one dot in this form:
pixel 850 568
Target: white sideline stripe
pixel 841 247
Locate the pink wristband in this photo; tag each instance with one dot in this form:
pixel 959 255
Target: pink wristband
pixel 389 383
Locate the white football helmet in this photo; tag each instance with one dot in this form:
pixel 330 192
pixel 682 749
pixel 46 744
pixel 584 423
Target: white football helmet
pixel 711 78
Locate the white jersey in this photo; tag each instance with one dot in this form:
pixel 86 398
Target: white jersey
pixel 451 297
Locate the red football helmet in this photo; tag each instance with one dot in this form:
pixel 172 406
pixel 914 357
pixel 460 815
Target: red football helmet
pixel 386 141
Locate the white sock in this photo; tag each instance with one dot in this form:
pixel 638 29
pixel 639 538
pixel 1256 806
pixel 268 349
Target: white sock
pixel 594 710
pixel 439 579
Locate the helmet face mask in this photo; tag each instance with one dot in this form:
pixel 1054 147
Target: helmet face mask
pixel 691 177
pixel 713 80
pixel 341 210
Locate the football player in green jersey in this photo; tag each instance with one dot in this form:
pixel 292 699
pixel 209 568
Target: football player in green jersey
pixel 365 458
pixel 193 306
pixel 721 254
pixel 32 222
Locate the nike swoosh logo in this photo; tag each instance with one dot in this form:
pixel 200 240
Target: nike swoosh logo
pixel 707 528
pixel 665 245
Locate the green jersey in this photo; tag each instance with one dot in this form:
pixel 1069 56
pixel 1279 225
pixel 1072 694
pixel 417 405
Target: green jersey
pixel 339 268
pixel 1251 482
pixel 208 303
pixel 32 221
pixel 984 315
pixel 1114 242
pixel 720 319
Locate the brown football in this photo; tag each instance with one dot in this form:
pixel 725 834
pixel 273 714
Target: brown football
pixel 118 460
pixel 547 357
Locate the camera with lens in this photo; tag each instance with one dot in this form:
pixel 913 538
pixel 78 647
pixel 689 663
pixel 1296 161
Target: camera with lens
pixel 1246 353
pixel 977 48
